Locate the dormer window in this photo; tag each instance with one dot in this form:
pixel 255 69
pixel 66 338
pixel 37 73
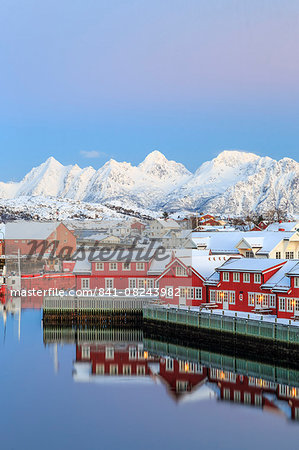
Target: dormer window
pixel 180 271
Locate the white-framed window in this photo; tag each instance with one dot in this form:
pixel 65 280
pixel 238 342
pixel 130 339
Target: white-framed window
pixel 109 283
pixel 225 276
pixel 236 277
pixel 289 255
pixel 296 305
pixel 251 298
pixel 126 266
pixel 212 296
pixel 181 386
pixel 132 353
pixel 100 369
pixel 296 282
pixel 258 400
pixel 272 301
pixel 113 266
pixel 99 266
pixel 198 293
pixel 246 277
pixel 109 352
pixel 180 271
pixel 257 278
pixel 132 283
pixel 183 292
pixel 190 293
pixel 140 369
pixel 278 255
pixel 290 306
pixel 226 394
pixel 237 396
pixel 140 266
pixel 113 369
pixel 265 301
pixel 169 365
pixel 232 297
pixel 127 370
pixel 249 254
pixel 85 352
pixel 150 283
pixel 247 398
pixel 219 296
pixel 141 283
pixel 282 303
pixel 85 283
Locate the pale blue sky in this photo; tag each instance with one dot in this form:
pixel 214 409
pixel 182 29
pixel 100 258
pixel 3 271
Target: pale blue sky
pixel 122 78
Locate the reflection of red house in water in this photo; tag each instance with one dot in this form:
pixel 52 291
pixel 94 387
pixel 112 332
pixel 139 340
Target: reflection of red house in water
pixel 125 361
pixel 190 379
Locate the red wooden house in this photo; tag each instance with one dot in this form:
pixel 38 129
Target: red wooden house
pixel 136 271
pixel 126 361
pixel 182 377
pixel 182 282
pixel 36 238
pixel 240 284
pixel 285 285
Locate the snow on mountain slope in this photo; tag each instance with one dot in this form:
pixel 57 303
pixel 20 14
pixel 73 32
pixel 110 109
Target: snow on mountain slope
pixel 232 183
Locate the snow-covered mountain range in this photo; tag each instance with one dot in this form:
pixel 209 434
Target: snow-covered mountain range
pixel 232 183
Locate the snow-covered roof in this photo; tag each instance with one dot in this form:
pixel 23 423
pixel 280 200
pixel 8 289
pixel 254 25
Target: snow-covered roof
pixel 294 272
pixel 213 279
pixel 82 266
pixel 29 230
pixel 287 226
pixel 227 242
pixel 206 265
pixel 250 264
pixel 280 281
pixel 224 242
pixel 169 223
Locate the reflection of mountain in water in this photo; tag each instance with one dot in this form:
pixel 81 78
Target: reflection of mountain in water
pixel 114 355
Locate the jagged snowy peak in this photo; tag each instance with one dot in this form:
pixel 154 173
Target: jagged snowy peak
pixel 156 165
pixel 255 184
pixel 233 182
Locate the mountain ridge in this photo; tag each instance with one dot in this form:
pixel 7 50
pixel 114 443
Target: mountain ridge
pixel 234 182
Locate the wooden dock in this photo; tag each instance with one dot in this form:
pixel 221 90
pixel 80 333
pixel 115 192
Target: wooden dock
pixel 224 324
pixel 96 310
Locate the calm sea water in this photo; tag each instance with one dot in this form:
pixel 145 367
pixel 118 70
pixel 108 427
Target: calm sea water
pixel 44 407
